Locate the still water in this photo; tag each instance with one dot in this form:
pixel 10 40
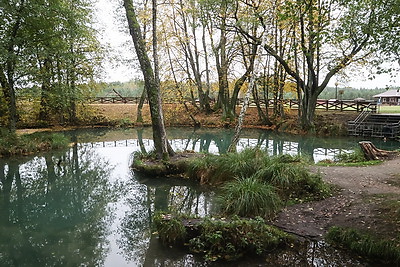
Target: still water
pixel 84 206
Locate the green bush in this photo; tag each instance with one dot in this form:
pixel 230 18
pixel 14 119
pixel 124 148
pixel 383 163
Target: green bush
pixel 249 197
pixel 364 244
pixel 234 238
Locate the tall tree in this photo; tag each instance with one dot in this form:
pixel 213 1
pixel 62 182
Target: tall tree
pixel 51 45
pixel 327 37
pixel 11 24
pixel 161 145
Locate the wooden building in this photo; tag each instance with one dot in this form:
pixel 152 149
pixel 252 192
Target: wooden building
pixel 390 97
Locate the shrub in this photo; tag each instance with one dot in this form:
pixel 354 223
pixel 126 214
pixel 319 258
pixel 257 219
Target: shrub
pixel 232 239
pixel 286 173
pixel 216 169
pixel 170 229
pixel 249 197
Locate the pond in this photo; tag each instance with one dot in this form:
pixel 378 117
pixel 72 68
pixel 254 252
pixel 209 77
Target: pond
pixel 84 206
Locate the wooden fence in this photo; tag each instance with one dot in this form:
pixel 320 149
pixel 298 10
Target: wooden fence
pixel 339 105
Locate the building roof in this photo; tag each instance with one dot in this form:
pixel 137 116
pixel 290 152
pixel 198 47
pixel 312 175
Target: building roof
pixel 389 93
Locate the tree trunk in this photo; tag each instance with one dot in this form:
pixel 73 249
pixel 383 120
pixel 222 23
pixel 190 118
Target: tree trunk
pixel 371 152
pixel 139 117
pixel 246 101
pixel 9 95
pixel 46 85
pixel 161 145
pixel 308 106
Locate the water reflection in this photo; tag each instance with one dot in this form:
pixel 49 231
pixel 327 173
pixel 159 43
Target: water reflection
pixel 137 242
pixel 53 210
pixel 83 206
pixel 217 141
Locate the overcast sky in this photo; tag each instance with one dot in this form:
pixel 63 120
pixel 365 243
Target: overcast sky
pixel 123 68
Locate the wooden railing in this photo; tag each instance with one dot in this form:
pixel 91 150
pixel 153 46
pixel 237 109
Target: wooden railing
pixel 114 100
pixel 339 105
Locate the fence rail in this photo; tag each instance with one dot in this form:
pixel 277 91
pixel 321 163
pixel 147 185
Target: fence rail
pixel 339 105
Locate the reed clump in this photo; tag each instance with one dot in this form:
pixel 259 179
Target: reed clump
pixel 256 184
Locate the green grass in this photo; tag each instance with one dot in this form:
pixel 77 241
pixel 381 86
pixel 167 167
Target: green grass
pixel 255 184
pixel 12 144
pixel 249 197
pixel 365 244
pixel 389 109
pixel 353 159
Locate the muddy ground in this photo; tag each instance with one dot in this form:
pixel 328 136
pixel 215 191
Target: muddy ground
pixel 367 198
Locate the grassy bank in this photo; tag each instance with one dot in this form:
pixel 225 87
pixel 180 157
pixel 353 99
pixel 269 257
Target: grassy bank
pixel 12 144
pixel 251 188
pixel 364 244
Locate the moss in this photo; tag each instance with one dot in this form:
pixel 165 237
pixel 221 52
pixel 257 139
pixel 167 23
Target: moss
pixel 148 164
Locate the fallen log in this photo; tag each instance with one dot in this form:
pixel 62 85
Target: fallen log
pixel 371 152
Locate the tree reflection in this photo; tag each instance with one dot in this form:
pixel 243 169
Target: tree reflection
pixel 53 210
pixel 153 195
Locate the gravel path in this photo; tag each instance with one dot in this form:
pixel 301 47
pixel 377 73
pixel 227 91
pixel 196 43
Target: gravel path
pixel 358 203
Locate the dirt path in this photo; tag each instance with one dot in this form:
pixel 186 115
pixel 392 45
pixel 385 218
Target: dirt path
pixel 362 202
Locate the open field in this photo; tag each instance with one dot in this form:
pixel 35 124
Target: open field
pixel 388 109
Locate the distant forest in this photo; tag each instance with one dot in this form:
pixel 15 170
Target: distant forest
pixel 134 88
pixel 350 93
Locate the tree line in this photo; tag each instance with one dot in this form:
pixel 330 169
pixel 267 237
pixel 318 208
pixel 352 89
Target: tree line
pixel 49 45
pixel 209 49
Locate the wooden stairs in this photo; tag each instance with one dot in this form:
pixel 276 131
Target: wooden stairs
pixel 375 125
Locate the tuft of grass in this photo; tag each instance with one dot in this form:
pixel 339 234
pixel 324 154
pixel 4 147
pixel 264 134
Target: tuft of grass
pixel 287 174
pixel 365 244
pixel 249 197
pixel 12 144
